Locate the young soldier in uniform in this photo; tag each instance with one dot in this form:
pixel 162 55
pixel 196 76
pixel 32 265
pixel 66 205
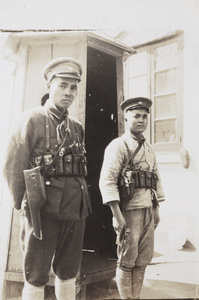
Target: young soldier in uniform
pixel 130 184
pixel 48 139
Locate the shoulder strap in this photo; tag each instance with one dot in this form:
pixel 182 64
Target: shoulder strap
pixel 47 132
pixel 131 156
pixel 59 152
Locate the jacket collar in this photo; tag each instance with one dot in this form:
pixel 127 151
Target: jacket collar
pixel 131 136
pixel 53 110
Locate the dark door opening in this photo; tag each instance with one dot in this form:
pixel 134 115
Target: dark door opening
pixel 101 127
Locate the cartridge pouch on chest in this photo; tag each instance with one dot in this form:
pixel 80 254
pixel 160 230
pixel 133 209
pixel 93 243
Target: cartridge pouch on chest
pixel 63 156
pixel 132 179
pixel 68 163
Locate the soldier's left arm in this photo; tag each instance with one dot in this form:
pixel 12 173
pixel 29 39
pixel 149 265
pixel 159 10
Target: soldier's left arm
pixel 18 156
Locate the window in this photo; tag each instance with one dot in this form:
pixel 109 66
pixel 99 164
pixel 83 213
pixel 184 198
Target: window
pixel 156 72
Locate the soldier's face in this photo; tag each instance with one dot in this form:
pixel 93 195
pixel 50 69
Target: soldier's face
pixel 62 92
pixel 136 121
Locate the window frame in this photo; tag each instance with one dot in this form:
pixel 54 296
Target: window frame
pixel 163 147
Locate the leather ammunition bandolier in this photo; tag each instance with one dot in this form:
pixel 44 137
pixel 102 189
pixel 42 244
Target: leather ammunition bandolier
pixel 131 179
pixel 69 160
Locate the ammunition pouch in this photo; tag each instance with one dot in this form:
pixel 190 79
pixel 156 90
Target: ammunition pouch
pixel 66 165
pixel 133 179
pixel 126 185
pixel 68 160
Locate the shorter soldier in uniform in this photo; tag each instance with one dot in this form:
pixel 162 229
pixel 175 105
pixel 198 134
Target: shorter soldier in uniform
pixel 49 139
pixel 130 184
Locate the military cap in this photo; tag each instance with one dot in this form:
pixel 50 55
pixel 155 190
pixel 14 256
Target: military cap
pixel 66 67
pixel 136 103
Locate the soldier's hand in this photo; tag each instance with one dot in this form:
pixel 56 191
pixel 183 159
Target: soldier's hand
pixel 118 224
pixel 24 204
pixel 118 221
pixel 156 216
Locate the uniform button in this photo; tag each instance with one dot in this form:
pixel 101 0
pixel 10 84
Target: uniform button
pixel 82 187
pixel 47 182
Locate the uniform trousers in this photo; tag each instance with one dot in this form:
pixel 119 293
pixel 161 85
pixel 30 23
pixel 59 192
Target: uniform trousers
pixel 60 247
pixel 141 238
pixel 138 252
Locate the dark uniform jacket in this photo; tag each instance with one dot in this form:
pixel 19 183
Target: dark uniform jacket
pixel 67 196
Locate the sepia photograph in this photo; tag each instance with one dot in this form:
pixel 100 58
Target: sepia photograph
pixel 99 153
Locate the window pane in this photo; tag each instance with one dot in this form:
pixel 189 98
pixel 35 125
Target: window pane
pixel 165 82
pixel 138 86
pixel 165 107
pixel 165 131
pixel 166 56
pixel 138 64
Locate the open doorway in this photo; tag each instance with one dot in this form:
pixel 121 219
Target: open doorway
pixel 101 127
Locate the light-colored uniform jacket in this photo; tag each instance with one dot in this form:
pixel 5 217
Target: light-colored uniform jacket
pixel 115 159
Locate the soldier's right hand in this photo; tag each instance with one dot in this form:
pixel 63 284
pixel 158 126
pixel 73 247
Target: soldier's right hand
pixel 118 220
pixel 24 204
pixel 118 224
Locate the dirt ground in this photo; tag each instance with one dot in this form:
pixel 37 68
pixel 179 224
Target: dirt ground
pixel 172 274
pixel 153 288
pixel 173 280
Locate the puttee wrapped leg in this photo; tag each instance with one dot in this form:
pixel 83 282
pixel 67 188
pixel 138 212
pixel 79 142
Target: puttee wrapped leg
pixel 31 292
pixel 65 289
pixel 123 280
pixel 137 281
